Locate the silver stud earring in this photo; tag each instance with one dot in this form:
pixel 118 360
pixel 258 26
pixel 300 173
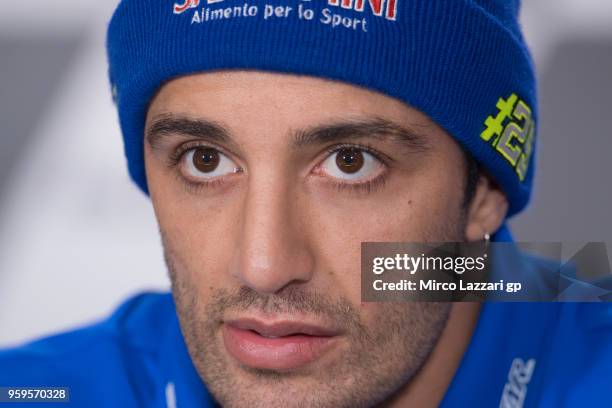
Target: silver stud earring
pixel 487 240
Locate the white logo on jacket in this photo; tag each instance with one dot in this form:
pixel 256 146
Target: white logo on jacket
pixel 515 389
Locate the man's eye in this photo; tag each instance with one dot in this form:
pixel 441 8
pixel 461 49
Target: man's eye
pixel 353 164
pixel 206 162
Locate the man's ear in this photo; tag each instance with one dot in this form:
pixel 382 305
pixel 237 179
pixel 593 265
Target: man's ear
pixel 487 210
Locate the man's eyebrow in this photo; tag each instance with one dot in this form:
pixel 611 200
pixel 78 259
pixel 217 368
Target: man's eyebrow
pixel 370 127
pixel 167 124
pixel 375 127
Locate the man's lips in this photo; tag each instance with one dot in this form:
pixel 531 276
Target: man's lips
pixel 282 328
pixel 278 345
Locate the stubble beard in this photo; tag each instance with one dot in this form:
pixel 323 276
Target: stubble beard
pixel 378 361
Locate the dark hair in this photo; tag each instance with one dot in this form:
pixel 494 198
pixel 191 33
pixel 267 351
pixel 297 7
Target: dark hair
pixel 471 179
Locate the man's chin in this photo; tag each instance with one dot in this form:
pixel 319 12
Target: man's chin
pixel 255 387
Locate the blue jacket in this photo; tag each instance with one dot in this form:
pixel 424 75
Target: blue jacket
pixel 546 354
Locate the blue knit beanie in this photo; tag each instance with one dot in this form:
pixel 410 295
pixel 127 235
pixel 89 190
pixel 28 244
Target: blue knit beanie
pixel 462 62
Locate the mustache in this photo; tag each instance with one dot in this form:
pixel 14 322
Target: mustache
pixel 289 300
pixel 292 299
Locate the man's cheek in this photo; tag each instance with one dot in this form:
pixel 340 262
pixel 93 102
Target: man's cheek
pixel 374 313
pixel 203 249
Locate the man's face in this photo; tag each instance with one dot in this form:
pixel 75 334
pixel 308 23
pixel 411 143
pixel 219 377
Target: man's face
pixel 264 186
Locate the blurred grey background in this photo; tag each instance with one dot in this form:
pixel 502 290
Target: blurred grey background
pixel 76 237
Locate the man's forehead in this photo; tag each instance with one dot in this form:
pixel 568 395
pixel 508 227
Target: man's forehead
pixel 304 108
pixel 243 78
pixel 309 94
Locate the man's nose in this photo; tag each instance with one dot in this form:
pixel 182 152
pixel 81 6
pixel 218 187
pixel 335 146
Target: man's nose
pixel 272 250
